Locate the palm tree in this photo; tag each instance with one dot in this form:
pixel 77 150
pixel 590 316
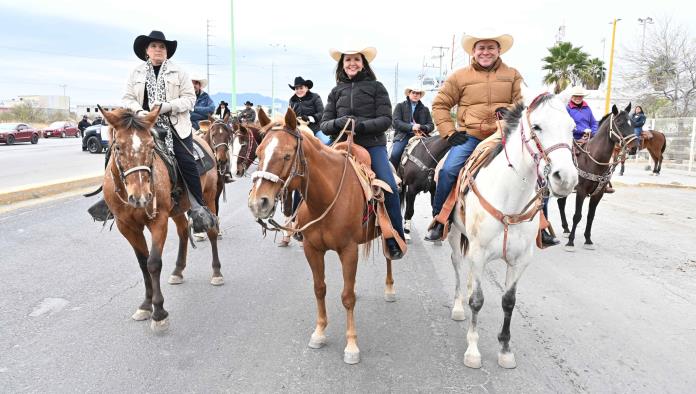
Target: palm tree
pixel 564 64
pixel 593 74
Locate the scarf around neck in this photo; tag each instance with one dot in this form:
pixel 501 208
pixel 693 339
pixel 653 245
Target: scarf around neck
pixel 156 92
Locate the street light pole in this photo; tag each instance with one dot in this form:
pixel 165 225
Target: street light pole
pixel 644 22
pixel 611 67
pixel 68 109
pixel 233 100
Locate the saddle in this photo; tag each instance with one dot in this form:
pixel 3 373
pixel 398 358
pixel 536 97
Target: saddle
pixel 646 135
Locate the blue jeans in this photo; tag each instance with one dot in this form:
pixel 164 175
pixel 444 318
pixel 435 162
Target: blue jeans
pixel 195 118
pixel 450 170
pixel 380 165
pixel 322 137
pixel 398 150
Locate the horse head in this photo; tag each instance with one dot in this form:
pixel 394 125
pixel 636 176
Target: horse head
pixel 219 135
pixel 551 131
pixel 617 124
pixel 244 144
pixel 133 152
pixel 280 158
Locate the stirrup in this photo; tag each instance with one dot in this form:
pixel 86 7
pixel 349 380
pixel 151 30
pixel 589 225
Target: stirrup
pixel 202 219
pixel 100 211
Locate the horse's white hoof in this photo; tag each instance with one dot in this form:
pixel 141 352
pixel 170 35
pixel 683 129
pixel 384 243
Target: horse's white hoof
pixel 566 234
pixel 199 237
pixel 175 280
pixel 217 281
pixel 589 246
pixel 507 360
pixel 458 314
pixel 351 357
pixel 390 297
pixel 160 326
pixel 141 314
pixel 569 248
pixel 407 238
pixel 472 360
pixel 317 341
pixel 220 234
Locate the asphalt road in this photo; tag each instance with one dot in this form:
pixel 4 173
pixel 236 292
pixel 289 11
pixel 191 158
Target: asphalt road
pixel 617 319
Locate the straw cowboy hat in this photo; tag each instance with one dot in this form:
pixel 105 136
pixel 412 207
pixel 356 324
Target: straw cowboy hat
pixel 578 91
pixel 299 81
pixel 412 88
pixel 368 52
pixel 505 41
pixel 141 42
pixel 200 78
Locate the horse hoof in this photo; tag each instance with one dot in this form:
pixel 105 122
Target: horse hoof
pixel 141 314
pixel 160 326
pixel 351 357
pixel 589 246
pixel 407 238
pixel 199 237
pixel 217 281
pixel 390 297
pixel 220 234
pixel 566 234
pixel 317 341
pixel 507 360
pixel 175 280
pixel 458 315
pixel 472 360
pixel 569 248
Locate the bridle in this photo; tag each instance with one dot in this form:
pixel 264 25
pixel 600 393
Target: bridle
pixel 247 155
pixel 124 173
pixel 225 143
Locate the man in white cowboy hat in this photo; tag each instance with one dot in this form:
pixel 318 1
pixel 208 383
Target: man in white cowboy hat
pixel 477 90
pixel 585 122
pixel 204 104
pixel 409 117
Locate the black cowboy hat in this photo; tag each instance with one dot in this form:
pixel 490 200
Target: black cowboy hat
pixel 299 81
pixel 249 103
pixel 141 42
pixel 223 102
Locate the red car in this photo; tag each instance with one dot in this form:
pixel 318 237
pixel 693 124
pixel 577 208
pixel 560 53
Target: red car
pixel 62 130
pixel 18 132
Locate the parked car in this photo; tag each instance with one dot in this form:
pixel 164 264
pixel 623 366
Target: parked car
pixel 96 139
pixel 18 132
pixel 61 129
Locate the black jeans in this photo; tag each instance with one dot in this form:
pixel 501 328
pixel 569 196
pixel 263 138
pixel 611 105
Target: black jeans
pixel 187 164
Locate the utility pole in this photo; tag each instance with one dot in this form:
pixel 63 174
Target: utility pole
pixel 233 100
pixel 440 55
pixel 396 84
pixel 278 46
pixel 644 21
pixel 68 109
pixel 611 67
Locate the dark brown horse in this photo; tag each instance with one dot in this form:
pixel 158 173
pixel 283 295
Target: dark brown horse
pixel 330 218
pixel 656 143
pixel 218 134
pixel 595 166
pixel 245 140
pixel 137 189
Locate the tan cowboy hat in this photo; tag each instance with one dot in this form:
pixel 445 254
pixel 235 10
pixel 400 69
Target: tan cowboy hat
pixel 505 41
pixel 412 88
pixel 578 91
pixel 368 52
pixel 200 78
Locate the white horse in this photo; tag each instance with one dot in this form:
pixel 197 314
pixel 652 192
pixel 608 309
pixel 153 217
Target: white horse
pixel 536 153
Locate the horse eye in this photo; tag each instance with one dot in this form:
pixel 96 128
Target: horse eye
pixel 287 157
pixel 536 127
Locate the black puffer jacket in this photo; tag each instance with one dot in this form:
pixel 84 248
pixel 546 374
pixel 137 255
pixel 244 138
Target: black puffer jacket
pixel 309 105
pixel 368 101
pixel 402 120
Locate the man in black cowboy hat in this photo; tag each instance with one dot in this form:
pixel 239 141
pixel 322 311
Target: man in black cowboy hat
pixel 248 114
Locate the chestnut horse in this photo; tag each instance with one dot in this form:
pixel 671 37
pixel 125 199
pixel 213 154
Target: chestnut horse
pixel 137 190
pixel 245 140
pixel 656 145
pixel 296 160
pixel 218 134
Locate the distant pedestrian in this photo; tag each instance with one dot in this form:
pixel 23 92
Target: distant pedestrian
pixel 84 123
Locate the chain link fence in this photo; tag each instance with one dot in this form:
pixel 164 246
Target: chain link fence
pixel 681 146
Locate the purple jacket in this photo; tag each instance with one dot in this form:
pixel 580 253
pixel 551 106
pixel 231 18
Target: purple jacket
pixel 582 115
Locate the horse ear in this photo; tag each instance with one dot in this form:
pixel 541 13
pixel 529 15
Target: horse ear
pixel 290 119
pixel 614 110
pixel 628 108
pixel 110 118
pixel 263 118
pixel 226 119
pixel 151 117
pixel 243 129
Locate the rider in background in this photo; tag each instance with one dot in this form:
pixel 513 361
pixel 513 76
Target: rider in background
pixel 478 90
pixel 221 111
pixel 307 106
pixel 359 96
pixel 248 115
pixel 637 120
pixel 204 106
pixel 410 116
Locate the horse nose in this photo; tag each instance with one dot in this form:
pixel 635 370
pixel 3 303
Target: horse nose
pixel 264 203
pixel 148 197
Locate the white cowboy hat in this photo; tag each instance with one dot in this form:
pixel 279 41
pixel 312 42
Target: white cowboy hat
pixel 198 77
pixel 368 52
pixel 414 88
pixel 505 41
pixel 578 91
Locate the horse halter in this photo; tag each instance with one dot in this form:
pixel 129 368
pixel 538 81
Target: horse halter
pixel 124 173
pixel 224 144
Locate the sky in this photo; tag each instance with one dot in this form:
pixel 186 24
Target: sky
pixel 84 48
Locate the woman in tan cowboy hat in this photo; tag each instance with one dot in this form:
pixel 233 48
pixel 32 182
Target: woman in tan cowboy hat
pixel 410 116
pixel 359 96
pixel 477 90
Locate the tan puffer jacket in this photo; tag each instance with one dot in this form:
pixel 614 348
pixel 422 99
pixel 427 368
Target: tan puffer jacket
pixel 477 92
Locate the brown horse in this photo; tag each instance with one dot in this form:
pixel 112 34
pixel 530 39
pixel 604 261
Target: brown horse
pixel 656 143
pixel 296 160
pixel 137 190
pixel 246 139
pixel 218 134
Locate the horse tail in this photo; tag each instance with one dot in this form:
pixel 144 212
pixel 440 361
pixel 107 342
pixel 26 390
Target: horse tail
pixel 664 143
pixel 94 193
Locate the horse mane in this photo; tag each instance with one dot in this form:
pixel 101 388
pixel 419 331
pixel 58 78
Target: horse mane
pixel 127 119
pixel 512 117
pixel 603 119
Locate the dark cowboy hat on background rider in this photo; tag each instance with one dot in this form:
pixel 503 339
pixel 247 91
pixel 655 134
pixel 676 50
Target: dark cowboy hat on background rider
pixel 249 103
pixel 299 81
pixel 141 42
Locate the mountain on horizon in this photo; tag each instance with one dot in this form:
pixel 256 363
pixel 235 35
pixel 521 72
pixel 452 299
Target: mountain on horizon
pixel 253 97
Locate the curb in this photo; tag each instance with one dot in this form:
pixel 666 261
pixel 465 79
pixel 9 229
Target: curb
pixel 660 185
pixel 31 192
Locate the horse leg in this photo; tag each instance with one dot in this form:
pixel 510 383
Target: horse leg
pixel 506 358
pixel 623 164
pixel 455 241
pixel 217 279
pixel 315 258
pixel 158 229
pixel 561 209
pixel 410 202
pixel 579 199
pixel 594 201
pixel 177 276
pixel 389 292
pixel 349 265
pixel 137 241
pixel 472 357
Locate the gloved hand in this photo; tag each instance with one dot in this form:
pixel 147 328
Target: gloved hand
pixel 360 127
pixel 304 118
pixel 142 113
pixel 311 119
pixel 340 123
pixel 165 108
pixel 457 138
